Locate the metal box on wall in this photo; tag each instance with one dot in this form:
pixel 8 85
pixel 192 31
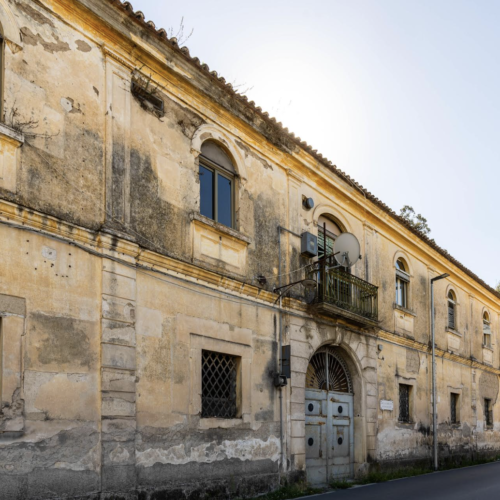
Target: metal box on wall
pixel 309 245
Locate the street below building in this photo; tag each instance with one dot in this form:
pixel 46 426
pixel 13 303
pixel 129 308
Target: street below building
pixel 470 483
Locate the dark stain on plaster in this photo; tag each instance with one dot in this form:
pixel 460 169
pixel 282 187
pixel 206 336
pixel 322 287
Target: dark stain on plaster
pixel 31 39
pixel 96 91
pixel 157 224
pixel 73 108
pixel 83 46
pixel 70 188
pixel 179 117
pixel 488 387
pixel 35 14
pixel 249 152
pixel 61 340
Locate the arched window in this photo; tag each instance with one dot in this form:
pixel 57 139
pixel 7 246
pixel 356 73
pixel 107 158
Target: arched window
pixel 452 305
pixel 402 283
pixel 327 234
pixel 217 174
pixel 486 330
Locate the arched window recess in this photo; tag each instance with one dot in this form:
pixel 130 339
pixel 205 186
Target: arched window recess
pixel 452 307
pixel 217 179
pixel 486 330
pixel 402 283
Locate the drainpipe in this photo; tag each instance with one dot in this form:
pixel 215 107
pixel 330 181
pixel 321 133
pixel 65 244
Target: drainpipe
pixel 434 398
pixel 280 354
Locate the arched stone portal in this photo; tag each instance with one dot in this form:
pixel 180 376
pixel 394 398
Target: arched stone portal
pixel 329 402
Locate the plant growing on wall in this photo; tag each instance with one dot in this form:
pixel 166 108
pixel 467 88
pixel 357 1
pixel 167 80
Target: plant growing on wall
pixel 416 220
pixel 147 93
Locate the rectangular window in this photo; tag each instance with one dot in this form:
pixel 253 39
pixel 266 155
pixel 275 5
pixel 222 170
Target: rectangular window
pixel 401 292
pixel 219 385
pixel 488 413
pixel 451 315
pixel 206 192
pixel 404 402
pixel 486 334
pixel 216 195
pixel 224 200
pixel 454 419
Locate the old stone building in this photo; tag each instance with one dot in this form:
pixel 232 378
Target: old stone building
pixel 147 213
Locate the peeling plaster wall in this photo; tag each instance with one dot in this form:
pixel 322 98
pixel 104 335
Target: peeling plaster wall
pixel 101 382
pixel 56 450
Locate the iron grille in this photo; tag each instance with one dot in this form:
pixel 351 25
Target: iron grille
pixel 344 290
pixel 328 371
pixel 488 412
pixel 453 408
pixel 404 403
pixel 218 391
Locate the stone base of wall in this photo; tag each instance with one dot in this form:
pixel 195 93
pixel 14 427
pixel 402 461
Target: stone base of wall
pixel 447 459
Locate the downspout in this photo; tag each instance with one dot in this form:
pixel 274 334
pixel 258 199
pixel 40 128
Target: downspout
pixel 280 361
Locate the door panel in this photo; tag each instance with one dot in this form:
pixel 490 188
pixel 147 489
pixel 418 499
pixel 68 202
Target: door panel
pixel 329 435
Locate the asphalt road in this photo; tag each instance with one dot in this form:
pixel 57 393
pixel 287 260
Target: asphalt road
pixel 481 482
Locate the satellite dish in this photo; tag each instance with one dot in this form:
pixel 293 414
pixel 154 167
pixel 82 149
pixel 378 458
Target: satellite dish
pixel 346 249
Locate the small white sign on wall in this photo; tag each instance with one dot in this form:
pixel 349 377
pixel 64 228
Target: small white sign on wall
pixel 386 405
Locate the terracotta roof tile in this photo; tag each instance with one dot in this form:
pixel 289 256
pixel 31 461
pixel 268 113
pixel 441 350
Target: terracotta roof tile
pixel 161 33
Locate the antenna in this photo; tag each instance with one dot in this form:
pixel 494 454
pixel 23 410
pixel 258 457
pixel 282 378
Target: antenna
pixel 346 249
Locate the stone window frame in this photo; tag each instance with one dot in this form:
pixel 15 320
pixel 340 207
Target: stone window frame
pixel 219 171
pixel 408 275
pixel 452 289
pixel 486 322
pixel 200 343
pixel 216 134
pixel 458 392
pixel 488 425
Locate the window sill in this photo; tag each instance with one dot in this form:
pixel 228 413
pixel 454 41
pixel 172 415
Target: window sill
pixel 11 134
pixel 453 331
pixel 222 423
pixel 403 309
pixel 488 347
pixel 227 231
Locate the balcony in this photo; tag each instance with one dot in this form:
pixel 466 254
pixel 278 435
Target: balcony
pixel 342 294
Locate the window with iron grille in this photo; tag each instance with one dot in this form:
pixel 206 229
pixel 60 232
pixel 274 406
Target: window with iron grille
pixel 219 385
pixel 488 413
pixel 404 402
pixel 454 408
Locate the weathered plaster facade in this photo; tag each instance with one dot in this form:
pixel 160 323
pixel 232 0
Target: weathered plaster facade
pixel 112 283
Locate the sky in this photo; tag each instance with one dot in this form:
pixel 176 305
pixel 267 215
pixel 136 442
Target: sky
pixel 402 95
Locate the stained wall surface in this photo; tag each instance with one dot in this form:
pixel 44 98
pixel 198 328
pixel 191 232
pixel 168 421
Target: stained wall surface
pixel 112 284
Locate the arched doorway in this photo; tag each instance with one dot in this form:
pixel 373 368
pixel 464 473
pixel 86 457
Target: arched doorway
pixel 329 417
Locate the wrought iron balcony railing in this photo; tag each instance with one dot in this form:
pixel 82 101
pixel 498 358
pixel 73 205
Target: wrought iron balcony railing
pixel 345 291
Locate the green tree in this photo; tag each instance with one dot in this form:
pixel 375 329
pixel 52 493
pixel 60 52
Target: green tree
pixel 416 220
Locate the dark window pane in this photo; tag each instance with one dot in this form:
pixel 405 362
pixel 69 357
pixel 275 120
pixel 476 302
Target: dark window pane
pixel 224 203
pixel 206 192
pixel 454 401
pixel 451 315
pixel 404 403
